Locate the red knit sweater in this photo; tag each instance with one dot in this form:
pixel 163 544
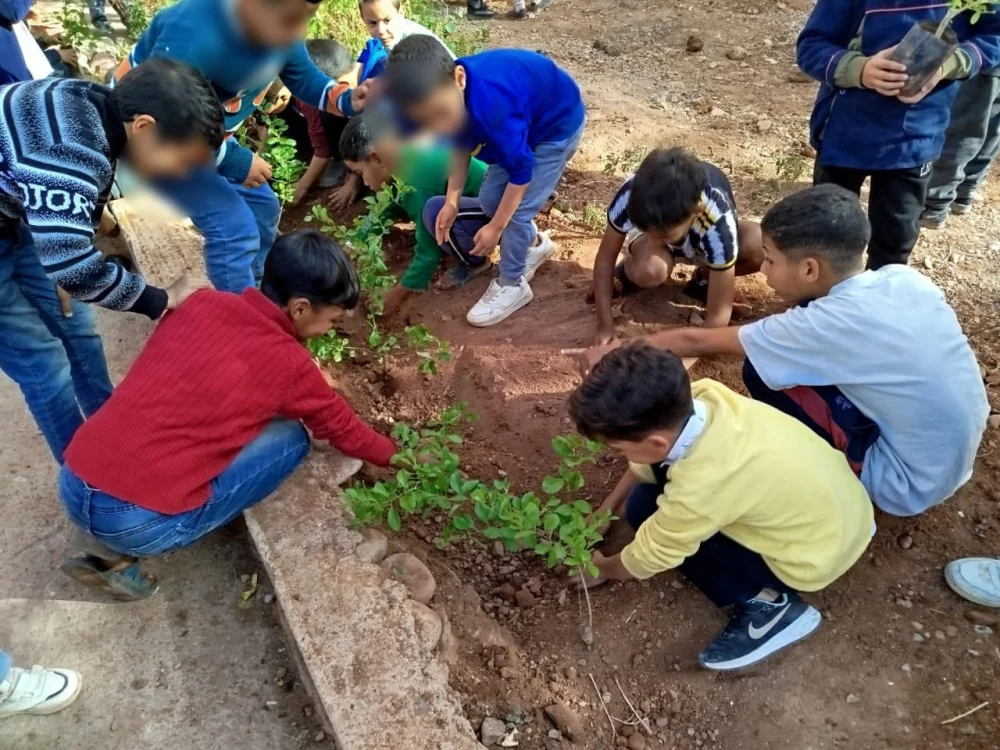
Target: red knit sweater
pixel 212 376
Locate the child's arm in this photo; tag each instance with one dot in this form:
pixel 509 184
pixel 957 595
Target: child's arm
pixel 822 49
pixel 721 287
pixel 617 497
pixel 460 161
pixel 687 343
pixel 317 166
pixel 313 86
pixel 488 237
pixel 346 194
pixel 604 278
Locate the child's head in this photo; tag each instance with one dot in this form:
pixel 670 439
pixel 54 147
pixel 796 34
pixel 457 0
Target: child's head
pixel 172 116
pixel 369 147
pixel 637 399
pixel 276 23
pixel 427 85
pixel 310 277
pixel 330 57
pixel 666 194
pixel 383 19
pixel 812 240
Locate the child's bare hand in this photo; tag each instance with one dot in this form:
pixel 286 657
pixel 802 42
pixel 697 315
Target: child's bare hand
pixel 587 358
pixel 603 337
pixel 183 288
pixel 364 93
pixel 884 75
pixel 343 196
pixel 444 222
pixel 260 172
pixel 486 239
pixel 933 81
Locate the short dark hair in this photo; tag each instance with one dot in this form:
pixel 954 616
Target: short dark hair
pixel 395 3
pixel 417 66
pixel 362 134
pixel 307 263
pixel 330 56
pixel 633 391
pixel 666 189
pixel 826 221
pixel 174 94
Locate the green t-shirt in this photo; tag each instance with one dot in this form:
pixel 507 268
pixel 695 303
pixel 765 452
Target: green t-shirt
pixel 426 171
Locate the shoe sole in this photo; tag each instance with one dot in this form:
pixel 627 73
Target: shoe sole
pixel 807 624
pixel 486 324
pixel 958 209
pixel 932 225
pixel 86 574
pixel 956 585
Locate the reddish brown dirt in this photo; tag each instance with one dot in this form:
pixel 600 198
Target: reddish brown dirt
pixel 744 116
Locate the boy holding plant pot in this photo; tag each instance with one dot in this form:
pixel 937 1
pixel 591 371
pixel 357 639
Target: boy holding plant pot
pixel 867 124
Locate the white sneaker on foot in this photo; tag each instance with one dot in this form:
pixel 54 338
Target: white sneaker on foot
pixel 538 254
pixel 499 303
pixel 38 691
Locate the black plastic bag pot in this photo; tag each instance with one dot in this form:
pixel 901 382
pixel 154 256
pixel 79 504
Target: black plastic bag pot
pixel 922 53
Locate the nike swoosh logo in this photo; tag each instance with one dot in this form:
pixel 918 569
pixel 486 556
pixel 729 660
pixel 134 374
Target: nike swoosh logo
pixel 758 633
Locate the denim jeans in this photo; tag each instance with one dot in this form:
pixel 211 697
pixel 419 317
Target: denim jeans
pixel 970 146
pixel 238 224
pixel 551 159
pixel 255 473
pixel 5 665
pixel 57 362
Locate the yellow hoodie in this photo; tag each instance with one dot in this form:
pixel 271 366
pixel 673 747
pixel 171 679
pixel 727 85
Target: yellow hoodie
pixel 766 481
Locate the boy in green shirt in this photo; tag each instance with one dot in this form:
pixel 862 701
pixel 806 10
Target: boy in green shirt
pixel 372 148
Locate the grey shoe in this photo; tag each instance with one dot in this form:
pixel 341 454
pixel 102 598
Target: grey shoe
pixel 976 579
pixel 961 209
pixel 931 221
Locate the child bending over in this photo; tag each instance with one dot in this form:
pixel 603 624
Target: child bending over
pixel 675 208
pixel 875 362
pixel 518 112
pixel 209 419
pixel 372 148
pixel 745 501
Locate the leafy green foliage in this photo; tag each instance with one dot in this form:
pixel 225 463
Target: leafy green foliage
pixel 430 350
pixel 331 348
pixel 280 154
pixel 626 162
pixel 551 523
pixel 956 7
pixel 77 32
pixel 382 344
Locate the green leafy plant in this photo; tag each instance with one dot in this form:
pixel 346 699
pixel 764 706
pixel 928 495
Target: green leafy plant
pixel 280 154
pixel 788 169
pixel 625 162
pixel 956 7
pixel 383 345
pixel 331 348
pixel 594 217
pixel 77 31
pixel 430 350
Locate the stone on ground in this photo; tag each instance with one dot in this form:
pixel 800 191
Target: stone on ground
pixel 413 574
pixel 373 547
pixel 492 731
pixel 427 622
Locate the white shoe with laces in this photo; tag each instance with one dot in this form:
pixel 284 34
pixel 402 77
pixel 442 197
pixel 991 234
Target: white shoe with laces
pixel 538 254
pixel 38 691
pixel 499 303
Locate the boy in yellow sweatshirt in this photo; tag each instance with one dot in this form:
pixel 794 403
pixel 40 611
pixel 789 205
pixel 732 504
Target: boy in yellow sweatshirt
pixel 749 503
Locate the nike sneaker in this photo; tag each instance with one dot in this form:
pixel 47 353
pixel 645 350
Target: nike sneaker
pixel 759 629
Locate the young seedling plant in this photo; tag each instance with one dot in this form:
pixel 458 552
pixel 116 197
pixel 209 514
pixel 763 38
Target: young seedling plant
pixel 279 151
pixel 331 348
pixel 956 7
pixel 429 349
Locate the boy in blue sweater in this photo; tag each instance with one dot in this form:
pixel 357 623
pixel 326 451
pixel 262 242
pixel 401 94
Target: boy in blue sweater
pixel 522 115
pixel 863 127
pixel 240 46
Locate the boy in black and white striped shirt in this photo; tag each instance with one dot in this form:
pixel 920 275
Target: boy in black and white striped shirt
pixel 675 208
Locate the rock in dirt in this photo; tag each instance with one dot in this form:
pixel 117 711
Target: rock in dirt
pixel 525 599
pixel 982 617
pixel 565 720
pixel 764 124
pixel 695 43
pixel 373 546
pixel 662 722
pixel 555 734
pixel 507 592
pixel 994 421
pixel 409 571
pixel 636 742
pixel 492 731
pixel 737 53
pixel 570 673
pixel 905 541
pixel 427 623
pixel 852 699
pixel 798 76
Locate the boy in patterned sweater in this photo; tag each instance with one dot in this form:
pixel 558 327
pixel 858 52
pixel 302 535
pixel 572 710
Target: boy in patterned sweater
pixel 59 143
pixel 675 208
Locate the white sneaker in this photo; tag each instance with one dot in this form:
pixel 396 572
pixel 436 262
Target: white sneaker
pixel 499 303
pixel 38 691
pixel 538 254
pixel 975 578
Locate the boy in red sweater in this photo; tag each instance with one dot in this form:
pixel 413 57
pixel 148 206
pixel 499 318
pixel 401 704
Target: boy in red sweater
pixel 209 420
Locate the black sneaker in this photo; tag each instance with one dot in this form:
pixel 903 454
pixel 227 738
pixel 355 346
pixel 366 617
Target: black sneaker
pixel 759 629
pixel 479 10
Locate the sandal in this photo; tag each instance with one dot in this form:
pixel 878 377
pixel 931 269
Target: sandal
pixel 123 580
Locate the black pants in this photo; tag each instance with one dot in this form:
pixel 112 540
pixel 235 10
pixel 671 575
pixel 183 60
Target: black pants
pixel 896 199
pixel 726 572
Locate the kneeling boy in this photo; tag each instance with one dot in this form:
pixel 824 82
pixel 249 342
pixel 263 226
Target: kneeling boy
pixel 371 147
pixel 207 421
pixel 782 513
pixel 675 208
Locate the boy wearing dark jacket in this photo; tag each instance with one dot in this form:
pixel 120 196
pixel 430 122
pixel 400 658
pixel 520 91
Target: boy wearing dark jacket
pixel 862 127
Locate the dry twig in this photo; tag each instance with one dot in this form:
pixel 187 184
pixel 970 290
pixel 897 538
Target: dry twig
pixel 611 721
pixel 971 711
pixel 645 724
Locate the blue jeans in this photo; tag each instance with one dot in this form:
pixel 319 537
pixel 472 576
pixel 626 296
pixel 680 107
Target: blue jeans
pixel 970 146
pixel 57 362
pixel 4 664
pixel 551 159
pixel 238 224
pixel 254 474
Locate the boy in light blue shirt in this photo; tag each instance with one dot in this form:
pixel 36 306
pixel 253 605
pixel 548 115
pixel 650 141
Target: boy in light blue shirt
pixel 875 362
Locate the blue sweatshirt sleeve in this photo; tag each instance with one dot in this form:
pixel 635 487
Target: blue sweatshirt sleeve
pixel 13 11
pixel 233 161
pixel 307 82
pixel 824 40
pixel 982 45
pixel 508 133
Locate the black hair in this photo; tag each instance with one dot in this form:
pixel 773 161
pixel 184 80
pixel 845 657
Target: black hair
pixel 633 391
pixel 307 263
pixel 395 3
pixel 417 66
pixel 330 56
pixel 362 134
pixel 174 94
pixel 666 190
pixel 826 221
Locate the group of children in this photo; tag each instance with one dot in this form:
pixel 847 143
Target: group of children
pixel 864 391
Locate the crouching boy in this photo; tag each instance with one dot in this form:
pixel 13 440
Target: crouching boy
pixel 207 421
pixel 783 513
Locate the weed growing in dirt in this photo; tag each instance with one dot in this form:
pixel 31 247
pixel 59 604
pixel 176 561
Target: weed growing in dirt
pixel 626 162
pixel 280 154
pixel 77 32
pixel 331 348
pixel 788 169
pixel 429 348
pixel 594 217
pixel 382 344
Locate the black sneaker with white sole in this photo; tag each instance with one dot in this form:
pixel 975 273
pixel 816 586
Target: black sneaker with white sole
pixel 759 629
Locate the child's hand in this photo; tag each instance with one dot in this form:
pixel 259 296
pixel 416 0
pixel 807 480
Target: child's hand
pixel 444 222
pixel 300 193
pixel 183 288
pixel 364 93
pixel 343 196
pixel 603 337
pixel 587 358
pixel 486 240
pixel 260 172
pixel 884 75
pixel 393 299
pixel 933 81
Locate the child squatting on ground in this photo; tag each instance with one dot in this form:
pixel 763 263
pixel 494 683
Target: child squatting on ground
pixel 675 208
pixel 207 421
pixel 745 501
pixel 371 147
pixel 876 363
pixel 519 113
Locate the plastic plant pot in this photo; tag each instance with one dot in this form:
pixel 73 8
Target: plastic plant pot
pixel 923 53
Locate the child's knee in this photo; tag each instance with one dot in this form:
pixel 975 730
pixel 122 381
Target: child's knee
pixel 431 210
pixel 751 252
pixel 648 272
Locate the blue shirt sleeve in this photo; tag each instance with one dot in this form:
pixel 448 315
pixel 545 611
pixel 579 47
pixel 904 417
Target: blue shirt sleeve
pixel 13 11
pixel 508 134
pixel 233 161
pixel 304 79
pixel 830 28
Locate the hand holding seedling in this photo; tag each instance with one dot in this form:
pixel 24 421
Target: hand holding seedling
pixel 183 288
pixel 444 222
pixel 933 81
pixel 884 75
pixel 487 238
pixel 260 172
